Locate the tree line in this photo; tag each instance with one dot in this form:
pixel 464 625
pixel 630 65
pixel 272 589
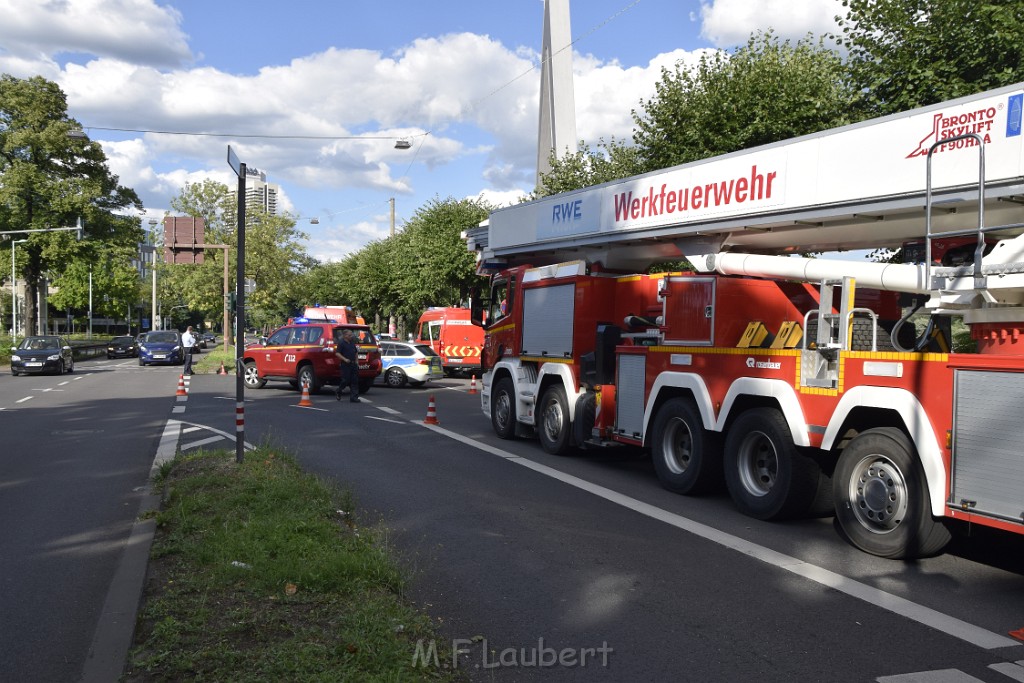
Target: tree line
pixel 887 56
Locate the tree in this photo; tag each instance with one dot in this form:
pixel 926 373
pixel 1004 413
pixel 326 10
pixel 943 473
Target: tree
pixel 274 258
pixel 435 268
pixel 606 162
pixel 50 180
pixel 910 53
pixel 765 91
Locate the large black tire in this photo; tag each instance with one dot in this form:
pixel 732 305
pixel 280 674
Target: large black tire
pixel 586 416
pixel 307 376
pixel 881 498
pixel 60 368
pixel 766 476
pixel 687 458
pixel 503 409
pixel 365 383
pixel 554 427
pixel 251 376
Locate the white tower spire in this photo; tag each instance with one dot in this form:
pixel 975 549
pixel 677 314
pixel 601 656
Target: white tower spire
pixel 557 104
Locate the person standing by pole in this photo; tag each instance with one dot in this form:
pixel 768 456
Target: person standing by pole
pixel 348 355
pixel 188 340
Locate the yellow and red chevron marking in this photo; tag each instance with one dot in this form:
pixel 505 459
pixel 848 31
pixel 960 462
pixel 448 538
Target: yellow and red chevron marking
pixel 461 351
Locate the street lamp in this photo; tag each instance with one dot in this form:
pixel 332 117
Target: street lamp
pixel 14 295
pixel 152 227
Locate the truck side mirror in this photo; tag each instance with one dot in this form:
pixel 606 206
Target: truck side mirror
pixel 476 310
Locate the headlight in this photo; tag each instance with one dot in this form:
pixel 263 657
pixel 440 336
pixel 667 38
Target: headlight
pixel 176 348
pixel 17 358
pixel 55 356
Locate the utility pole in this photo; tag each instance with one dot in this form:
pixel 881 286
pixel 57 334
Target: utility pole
pixel 392 328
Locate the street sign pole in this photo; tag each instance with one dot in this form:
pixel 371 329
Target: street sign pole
pixel 239 169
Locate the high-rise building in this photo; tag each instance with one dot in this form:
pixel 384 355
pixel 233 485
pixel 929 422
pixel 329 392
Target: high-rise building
pixel 259 194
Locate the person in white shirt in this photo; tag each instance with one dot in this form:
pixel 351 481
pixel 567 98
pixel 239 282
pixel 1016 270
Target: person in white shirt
pixel 188 340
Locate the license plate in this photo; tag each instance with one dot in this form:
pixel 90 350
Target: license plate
pixel 33 365
pixel 362 356
pixel 159 355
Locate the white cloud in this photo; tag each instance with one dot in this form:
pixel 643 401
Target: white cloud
pixel 139 31
pixel 606 93
pixel 729 23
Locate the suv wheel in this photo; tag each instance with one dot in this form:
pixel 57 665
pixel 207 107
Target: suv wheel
pixel 308 377
pixel 251 376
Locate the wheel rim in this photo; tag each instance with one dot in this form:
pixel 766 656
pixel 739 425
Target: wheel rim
pixel 502 409
pixel 758 464
pixel 878 494
pixel 553 420
pixel 251 375
pixel 305 378
pixel 393 378
pixel 677 446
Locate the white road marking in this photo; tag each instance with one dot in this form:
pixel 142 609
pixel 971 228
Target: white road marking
pixel 389 411
pixel 201 442
pixel 384 419
pixel 878 598
pixel 1014 671
pixel 22 400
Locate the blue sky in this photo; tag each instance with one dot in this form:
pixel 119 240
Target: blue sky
pixel 455 77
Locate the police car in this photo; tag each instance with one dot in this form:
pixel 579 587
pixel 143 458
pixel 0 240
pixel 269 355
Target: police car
pixel 406 363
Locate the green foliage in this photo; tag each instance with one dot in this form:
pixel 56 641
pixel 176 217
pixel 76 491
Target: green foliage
pixel 910 53
pixel 275 260
pixel 589 166
pixel 50 180
pixel 767 91
pixel 426 264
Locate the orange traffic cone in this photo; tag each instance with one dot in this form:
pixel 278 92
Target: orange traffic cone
pixel 181 386
pixel 223 370
pixel 431 413
pixel 304 402
pixel 472 384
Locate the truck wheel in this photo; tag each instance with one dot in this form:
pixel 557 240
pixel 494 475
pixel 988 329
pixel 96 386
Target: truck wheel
pixel 308 377
pixel 687 458
pixel 251 376
pixel 881 497
pixel 555 429
pixel 766 476
pixel 364 384
pixel 503 409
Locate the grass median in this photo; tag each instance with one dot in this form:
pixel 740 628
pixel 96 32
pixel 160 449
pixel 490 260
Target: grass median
pixel 260 572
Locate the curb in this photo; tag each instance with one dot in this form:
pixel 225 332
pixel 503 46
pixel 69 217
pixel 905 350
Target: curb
pixel 115 630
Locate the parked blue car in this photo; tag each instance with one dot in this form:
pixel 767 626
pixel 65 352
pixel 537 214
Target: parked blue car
pixel 161 346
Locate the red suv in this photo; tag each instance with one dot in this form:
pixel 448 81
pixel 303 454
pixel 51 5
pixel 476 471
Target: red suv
pixel 303 353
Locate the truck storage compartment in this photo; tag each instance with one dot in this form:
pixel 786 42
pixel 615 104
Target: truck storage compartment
pixel 988 443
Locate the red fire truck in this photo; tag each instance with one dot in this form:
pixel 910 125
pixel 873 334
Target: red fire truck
pixel 456 338
pixel 803 383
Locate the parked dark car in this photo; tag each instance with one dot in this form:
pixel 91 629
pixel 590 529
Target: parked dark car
pixel 42 354
pixel 161 346
pixel 122 347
